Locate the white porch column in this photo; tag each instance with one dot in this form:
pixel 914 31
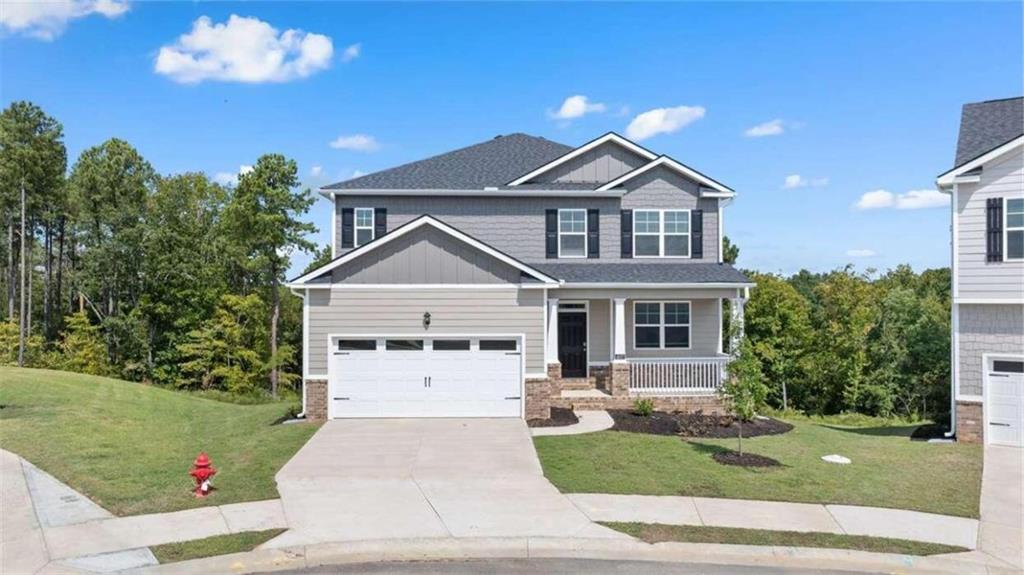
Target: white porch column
pixel 620 329
pixel 551 353
pixel 736 313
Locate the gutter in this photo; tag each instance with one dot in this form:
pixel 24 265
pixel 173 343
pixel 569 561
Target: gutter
pixel 302 414
pixel 493 193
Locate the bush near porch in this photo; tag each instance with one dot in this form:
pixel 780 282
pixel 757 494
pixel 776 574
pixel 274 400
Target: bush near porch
pixel 129 446
pixel 888 469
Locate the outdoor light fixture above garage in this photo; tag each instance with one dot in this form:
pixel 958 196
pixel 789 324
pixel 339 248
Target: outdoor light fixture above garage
pixel 426 320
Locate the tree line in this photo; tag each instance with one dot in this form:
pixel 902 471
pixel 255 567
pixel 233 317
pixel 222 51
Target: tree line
pixel 113 269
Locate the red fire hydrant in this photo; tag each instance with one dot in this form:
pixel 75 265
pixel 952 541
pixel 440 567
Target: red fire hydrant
pixel 202 471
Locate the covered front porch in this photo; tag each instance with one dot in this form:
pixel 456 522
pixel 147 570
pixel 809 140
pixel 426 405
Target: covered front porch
pixel 606 347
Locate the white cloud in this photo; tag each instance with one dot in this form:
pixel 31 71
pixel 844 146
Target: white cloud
pixel 860 253
pixel 229 179
pixel 47 19
pixel 316 171
pixel 769 128
pixel 576 107
pixel 663 121
pixel 243 50
pixel 794 181
pixel 912 200
pixel 355 142
pixel 357 173
pixel 352 52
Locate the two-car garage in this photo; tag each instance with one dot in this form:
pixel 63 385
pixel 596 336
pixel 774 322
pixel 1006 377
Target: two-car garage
pixel 417 376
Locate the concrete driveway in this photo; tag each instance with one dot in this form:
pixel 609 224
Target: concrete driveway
pixel 401 478
pixel 1002 505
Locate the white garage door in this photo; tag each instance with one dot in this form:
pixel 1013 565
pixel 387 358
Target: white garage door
pixel 1005 403
pixel 420 377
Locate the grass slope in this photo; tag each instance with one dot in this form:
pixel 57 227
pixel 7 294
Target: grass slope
pixel 210 546
pixel 129 446
pixel 656 533
pixel 888 469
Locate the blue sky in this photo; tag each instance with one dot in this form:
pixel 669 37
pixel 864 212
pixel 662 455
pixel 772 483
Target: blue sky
pixel 867 96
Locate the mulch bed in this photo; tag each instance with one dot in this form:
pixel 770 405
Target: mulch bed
pixel 560 417
pixel 696 425
pixel 745 459
pixel 930 431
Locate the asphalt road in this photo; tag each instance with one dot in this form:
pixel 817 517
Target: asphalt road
pixel 554 567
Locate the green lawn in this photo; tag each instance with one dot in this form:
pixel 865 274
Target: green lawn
pixel 656 533
pixel 129 446
pixel 216 545
pixel 888 469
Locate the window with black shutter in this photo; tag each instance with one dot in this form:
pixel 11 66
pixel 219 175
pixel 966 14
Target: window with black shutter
pixel 551 234
pixel 347 227
pixel 380 222
pixel 593 234
pixel 626 227
pixel 697 234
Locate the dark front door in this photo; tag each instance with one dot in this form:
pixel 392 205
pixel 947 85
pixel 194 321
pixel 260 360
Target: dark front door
pixel 572 343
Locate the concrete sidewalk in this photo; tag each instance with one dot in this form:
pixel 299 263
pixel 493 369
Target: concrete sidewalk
pixel 780 516
pixel 589 422
pixel 1002 505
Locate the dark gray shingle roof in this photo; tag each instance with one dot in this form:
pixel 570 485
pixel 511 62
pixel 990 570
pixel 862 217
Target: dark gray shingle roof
pixel 643 272
pixel 985 126
pixel 492 163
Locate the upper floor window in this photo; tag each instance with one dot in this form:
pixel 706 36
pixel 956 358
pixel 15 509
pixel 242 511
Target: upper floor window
pixel 1015 229
pixel 572 233
pixel 661 233
pixel 363 226
pixel 661 325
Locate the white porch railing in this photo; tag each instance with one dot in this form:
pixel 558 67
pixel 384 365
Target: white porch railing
pixel 683 376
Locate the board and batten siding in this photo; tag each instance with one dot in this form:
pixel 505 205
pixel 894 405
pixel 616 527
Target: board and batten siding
pixel 977 278
pixel 516 225
pixel 602 164
pixel 426 256
pixel 458 311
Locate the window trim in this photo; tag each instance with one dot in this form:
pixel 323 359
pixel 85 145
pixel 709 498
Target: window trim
pixel 1007 230
pixel 662 234
pixel 356 227
pixel 585 233
pixel 662 324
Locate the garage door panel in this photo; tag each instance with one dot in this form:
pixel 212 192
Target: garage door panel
pixel 1004 405
pixel 427 383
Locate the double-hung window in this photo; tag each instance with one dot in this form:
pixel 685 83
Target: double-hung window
pixel 572 233
pixel 661 233
pixel 661 325
pixel 1014 229
pixel 364 226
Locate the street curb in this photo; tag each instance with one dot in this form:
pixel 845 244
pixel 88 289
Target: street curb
pixel 438 549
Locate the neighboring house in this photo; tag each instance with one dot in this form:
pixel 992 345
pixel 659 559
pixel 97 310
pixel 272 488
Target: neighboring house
pixel 987 187
pixel 517 274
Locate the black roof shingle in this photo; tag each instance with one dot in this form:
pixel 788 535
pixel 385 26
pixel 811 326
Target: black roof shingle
pixel 985 126
pixel 492 163
pixel 637 272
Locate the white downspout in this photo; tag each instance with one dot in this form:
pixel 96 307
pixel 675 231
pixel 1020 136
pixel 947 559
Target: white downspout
pixel 954 343
pixel 305 348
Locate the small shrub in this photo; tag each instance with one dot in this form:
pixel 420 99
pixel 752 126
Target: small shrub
pixel 643 407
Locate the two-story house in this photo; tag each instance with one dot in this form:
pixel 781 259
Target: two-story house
pixel 515 274
pixel 987 188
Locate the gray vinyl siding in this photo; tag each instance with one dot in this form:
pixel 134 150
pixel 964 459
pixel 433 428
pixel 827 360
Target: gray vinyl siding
pixel 598 166
pixel 516 225
pixel 458 311
pixel 600 332
pixel 426 256
pixel 1002 178
pixel 986 329
pixel 703 330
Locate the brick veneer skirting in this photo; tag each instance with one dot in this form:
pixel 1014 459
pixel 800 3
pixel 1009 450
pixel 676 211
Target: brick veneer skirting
pixel 538 398
pixel 970 422
pixel 316 399
pixel 708 404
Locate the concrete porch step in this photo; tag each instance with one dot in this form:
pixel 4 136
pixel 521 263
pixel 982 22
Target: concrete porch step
pixel 578 383
pixel 583 393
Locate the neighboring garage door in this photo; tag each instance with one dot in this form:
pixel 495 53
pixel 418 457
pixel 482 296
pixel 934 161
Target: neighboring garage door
pixel 425 377
pixel 1005 403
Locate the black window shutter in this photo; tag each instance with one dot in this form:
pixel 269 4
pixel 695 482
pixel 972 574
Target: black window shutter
pixel 626 219
pixel 593 233
pixel 551 234
pixel 347 230
pixel 994 230
pixel 380 222
pixel 697 234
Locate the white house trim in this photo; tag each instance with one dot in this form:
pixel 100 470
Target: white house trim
pixel 949 178
pixel 598 285
pixel 989 301
pixel 585 233
pixel 722 191
pixel 405 229
pixel 609 137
